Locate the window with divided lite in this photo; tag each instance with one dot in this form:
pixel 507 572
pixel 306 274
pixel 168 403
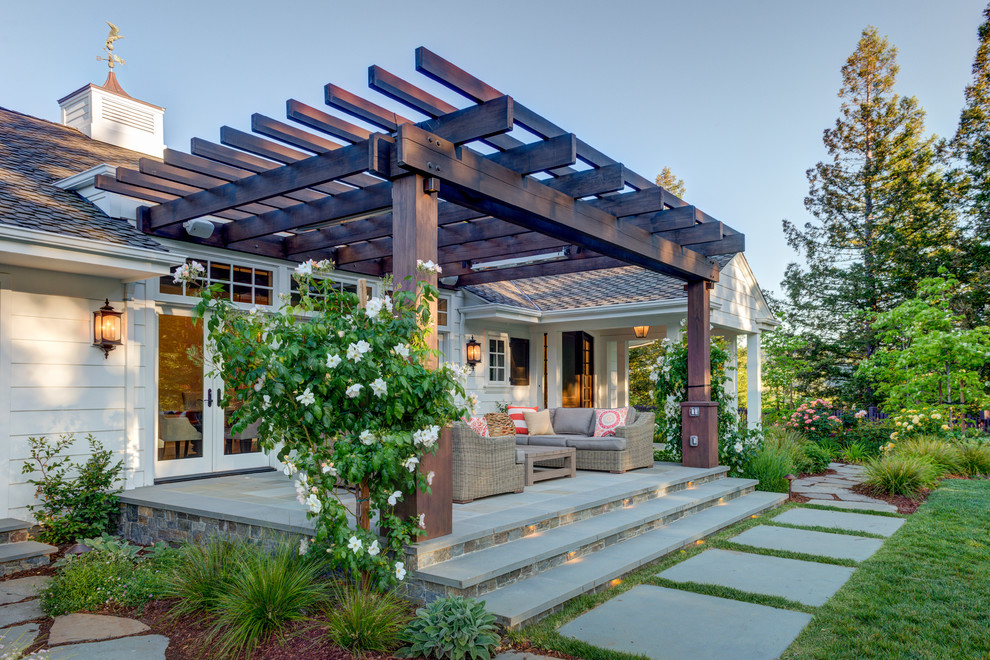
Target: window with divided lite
pixel 241 284
pixel 496 359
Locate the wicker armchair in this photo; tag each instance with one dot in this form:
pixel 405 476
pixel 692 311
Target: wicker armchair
pixel 484 466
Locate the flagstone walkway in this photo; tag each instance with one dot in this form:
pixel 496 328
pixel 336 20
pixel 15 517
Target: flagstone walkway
pixel 835 489
pixel 673 623
pixel 76 636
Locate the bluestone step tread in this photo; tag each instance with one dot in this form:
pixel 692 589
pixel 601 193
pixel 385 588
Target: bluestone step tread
pixel 24 549
pixel 476 567
pixel 521 601
pixel 13 525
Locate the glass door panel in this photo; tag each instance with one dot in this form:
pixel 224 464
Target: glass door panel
pixel 182 418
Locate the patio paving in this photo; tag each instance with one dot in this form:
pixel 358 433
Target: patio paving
pixel 145 647
pixel 805 582
pixel 668 623
pixel 854 522
pixel 839 546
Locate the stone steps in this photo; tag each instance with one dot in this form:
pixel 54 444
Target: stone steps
pixel 483 571
pixel 23 555
pixel 13 530
pixel 528 600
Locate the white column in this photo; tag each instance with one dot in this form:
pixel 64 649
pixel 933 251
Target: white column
pixel 754 379
pixel 612 373
pixel 674 332
pixel 732 386
pixel 554 381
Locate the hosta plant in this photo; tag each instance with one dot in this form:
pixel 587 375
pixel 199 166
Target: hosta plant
pixel 452 628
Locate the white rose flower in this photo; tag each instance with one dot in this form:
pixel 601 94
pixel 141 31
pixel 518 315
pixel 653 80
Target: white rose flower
pixel 373 548
pixel 429 477
pixel 333 361
pixel 328 468
pixel 353 353
pixel 422 521
pixel 354 544
pixel 374 308
pixel 305 268
pixel 265 401
pixel 314 503
pixel 378 387
pixel 394 497
pixel 738 447
pixel 426 437
pixel 367 437
pixel 411 463
pixel 354 390
pixel 401 350
pixel 306 398
pixel 303 546
pixel 400 571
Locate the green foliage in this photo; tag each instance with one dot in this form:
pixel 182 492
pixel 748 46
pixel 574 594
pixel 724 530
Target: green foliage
pixel 974 457
pixel 268 592
pixel 452 628
pixel 365 621
pixel 669 181
pixel 855 452
pixel 343 393
pixel 206 572
pixel 76 499
pixel 770 464
pixel 737 448
pixel 901 474
pixel 641 360
pixel 817 456
pixel 943 455
pixel 108 577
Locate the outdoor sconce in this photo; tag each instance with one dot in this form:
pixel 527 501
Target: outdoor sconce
pixel 641 331
pixel 473 352
pixel 106 329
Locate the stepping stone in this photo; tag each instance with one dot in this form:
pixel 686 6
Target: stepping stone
pixel 670 623
pixel 516 655
pixel 854 522
pixel 850 496
pixel 18 638
pixel 840 546
pixel 145 647
pixel 84 627
pixel 12 591
pixel 862 506
pixel 802 581
pixel 20 612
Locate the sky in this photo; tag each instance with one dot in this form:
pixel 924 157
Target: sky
pixel 732 95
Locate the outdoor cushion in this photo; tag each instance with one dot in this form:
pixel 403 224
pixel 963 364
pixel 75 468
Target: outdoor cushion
pixel 611 443
pixel 516 414
pixel 522 439
pixel 608 419
pixel 479 426
pixel 538 423
pixel 573 421
pixel 499 424
pixel 631 417
pixel 549 440
pixel 520 457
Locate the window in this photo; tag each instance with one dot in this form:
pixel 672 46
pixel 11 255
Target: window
pixel 239 283
pixel 442 312
pixel 296 296
pixel 496 359
pixel 518 361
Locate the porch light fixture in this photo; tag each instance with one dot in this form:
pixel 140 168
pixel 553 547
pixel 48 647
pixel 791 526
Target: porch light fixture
pixel 472 352
pixel 641 331
pixel 106 329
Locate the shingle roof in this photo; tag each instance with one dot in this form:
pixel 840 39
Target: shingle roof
pixel 595 288
pixel 34 154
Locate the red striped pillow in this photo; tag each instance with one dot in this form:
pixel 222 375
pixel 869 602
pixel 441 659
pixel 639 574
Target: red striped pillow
pixel 516 414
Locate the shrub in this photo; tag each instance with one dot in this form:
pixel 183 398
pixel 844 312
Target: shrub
pixel 854 452
pixel 770 464
pixel 268 591
pixel 974 457
pixel 205 572
pixel 73 507
pixel 901 474
pixel 943 455
pixel 98 578
pixel 452 628
pixel 817 457
pixel 362 620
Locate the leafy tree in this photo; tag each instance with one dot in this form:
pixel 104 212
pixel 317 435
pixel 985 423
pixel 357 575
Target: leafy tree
pixel 668 181
pixel 882 217
pixel 972 145
pixel 641 360
pixel 927 356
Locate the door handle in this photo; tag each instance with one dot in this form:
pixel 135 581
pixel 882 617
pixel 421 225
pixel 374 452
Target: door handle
pixel 219 396
pixel 209 397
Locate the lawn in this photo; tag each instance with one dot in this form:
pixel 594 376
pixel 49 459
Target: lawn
pixel 925 594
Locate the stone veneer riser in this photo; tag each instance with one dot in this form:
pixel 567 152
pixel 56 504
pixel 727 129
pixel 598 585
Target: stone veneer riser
pixel 148 525
pixel 27 563
pixel 417 557
pixel 428 591
pixel 16 535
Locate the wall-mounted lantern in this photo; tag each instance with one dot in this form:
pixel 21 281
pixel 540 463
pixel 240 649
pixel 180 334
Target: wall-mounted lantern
pixel 473 352
pixel 641 331
pixel 106 329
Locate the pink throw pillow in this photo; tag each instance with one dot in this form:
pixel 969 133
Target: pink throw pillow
pixel 606 421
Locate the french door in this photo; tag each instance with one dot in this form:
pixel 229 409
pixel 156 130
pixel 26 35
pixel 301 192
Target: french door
pixel 577 365
pixel 193 428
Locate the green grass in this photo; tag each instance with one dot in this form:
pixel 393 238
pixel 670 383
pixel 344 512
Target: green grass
pixel 924 594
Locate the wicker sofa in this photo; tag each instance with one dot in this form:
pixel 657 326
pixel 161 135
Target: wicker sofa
pixel 484 466
pixel 630 448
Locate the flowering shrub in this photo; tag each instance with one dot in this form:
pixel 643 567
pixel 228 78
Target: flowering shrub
pixel 928 420
pixel 344 395
pixel 737 447
pixel 816 420
pixel 669 377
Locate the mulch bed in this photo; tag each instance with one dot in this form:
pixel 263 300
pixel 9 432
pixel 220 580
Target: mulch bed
pixel 903 504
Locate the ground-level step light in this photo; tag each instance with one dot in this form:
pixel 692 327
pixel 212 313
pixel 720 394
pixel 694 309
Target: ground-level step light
pixel 106 328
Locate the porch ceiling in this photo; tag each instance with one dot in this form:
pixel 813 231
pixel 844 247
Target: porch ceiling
pixel 325 191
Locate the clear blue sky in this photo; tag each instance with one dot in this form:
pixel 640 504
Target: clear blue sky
pixel 732 95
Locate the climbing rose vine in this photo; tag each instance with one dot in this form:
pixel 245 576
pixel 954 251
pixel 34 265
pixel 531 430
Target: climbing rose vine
pixel 343 394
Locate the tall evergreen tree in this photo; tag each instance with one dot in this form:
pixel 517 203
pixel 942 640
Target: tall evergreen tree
pixel 972 145
pixel 882 217
pixel 669 181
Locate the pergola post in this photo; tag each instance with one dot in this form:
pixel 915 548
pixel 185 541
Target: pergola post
pixel 699 414
pixel 414 238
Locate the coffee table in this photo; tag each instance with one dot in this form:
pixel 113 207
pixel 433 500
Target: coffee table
pixel 536 454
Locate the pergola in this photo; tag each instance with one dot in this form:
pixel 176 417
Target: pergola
pixel 454 188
